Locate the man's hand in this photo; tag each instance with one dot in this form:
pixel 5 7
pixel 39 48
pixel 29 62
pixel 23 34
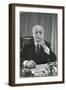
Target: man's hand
pixel 25 63
pixel 46 49
pixel 30 64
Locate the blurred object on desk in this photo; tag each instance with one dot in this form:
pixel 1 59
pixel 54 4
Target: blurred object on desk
pixel 25 72
pixel 53 68
pixel 40 70
pixel 40 74
pixel 44 70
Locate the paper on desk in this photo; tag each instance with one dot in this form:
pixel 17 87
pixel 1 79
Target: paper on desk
pixel 40 68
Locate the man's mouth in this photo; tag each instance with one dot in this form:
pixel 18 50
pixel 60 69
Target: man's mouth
pixel 39 38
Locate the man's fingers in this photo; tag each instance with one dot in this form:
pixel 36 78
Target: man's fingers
pixel 25 63
pixel 31 64
pixel 47 50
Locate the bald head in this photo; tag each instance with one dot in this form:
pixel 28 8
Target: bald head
pixel 38 27
pixel 38 33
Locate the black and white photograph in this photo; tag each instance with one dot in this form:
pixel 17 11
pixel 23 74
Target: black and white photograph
pixel 36 44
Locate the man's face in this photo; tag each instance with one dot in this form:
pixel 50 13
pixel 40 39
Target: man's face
pixel 38 35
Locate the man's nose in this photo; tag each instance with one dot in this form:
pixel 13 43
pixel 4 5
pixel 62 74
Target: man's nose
pixel 38 33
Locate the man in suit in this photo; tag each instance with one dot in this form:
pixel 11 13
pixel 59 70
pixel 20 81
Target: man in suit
pixel 39 52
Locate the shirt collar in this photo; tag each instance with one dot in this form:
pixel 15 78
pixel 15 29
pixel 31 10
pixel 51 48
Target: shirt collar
pixel 36 43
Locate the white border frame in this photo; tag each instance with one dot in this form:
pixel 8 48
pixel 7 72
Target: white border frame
pixel 19 80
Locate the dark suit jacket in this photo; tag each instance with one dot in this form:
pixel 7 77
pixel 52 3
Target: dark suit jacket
pixel 28 53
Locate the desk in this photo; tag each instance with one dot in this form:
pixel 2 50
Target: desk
pixel 41 70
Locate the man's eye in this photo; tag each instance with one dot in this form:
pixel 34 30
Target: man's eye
pixel 36 32
pixel 40 32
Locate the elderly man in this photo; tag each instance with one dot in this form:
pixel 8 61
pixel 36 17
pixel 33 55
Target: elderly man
pixel 38 53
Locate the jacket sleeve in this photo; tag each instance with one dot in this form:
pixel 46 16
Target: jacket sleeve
pixel 52 56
